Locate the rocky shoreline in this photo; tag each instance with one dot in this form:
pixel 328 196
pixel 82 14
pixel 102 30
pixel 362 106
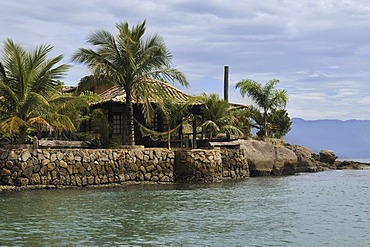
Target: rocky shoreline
pixel 22 169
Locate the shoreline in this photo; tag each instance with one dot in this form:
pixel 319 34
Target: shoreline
pixel 6 188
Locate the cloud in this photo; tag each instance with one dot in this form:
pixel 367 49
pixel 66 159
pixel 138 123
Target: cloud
pixel 318 49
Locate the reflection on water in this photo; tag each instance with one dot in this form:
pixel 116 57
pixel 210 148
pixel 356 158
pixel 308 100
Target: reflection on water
pixel 322 209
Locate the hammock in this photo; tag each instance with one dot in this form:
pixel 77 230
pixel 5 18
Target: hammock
pixel 156 135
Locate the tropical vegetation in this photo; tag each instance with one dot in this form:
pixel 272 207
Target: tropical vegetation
pixel 30 96
pixel 32 99
pixel 271 103
pixel 217 117
pixel 129 60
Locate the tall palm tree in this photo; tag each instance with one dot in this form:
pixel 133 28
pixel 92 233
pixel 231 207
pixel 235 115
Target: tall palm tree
pixel 266 97
pixel 128 60
pixel 28 80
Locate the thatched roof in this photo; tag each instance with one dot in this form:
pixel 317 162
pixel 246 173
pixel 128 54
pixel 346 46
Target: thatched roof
pixel 117 94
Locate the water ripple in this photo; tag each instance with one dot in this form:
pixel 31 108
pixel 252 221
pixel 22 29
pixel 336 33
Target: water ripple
pixel 321 209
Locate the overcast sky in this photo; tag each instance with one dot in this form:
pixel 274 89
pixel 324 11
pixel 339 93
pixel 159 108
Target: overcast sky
pixel 319 50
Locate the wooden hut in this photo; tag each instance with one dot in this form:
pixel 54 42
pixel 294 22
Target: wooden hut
pixel 113 102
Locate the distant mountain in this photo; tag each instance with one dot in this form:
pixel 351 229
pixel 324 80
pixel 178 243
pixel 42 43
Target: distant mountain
pixel 348 139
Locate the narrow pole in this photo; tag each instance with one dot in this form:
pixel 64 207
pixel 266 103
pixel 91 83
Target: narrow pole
pixel 226 83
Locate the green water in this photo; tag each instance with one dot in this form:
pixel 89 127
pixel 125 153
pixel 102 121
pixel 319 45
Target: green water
pixel 322 209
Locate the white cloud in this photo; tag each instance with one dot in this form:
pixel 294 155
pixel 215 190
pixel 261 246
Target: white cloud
pixel 318 49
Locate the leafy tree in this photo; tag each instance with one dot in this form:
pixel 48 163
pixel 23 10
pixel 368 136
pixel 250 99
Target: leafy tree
pixel 130 61
pixel 28 81
pixel 267 97
pixel 243 120
pixel 217 117
pixel 281 123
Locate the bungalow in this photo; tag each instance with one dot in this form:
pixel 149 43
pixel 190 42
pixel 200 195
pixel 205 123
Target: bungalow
pixel 113 101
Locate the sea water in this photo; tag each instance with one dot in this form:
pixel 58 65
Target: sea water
pixel 329 208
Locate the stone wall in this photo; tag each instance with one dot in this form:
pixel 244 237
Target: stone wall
pixel 80 167
pixel 198 165
pixel 234 163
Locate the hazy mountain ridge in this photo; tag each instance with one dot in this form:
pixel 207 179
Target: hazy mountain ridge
pixel 348 139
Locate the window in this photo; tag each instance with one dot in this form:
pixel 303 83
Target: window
pixel 117 124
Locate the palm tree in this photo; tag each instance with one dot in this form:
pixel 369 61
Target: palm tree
pixel 173 113
pixel 130 61
pixel 217 116
pixel 28 80
pixel 267 97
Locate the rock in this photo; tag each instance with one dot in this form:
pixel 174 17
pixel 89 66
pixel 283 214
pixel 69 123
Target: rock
pixel 14 175
pixel 25 155
pixel 143 170
pixel 305 161
pixel 327 156
pixel 28 172
pixel 91 180
pixel 285 162
pixel 150 168
pixel 51 166
pixel 5 172
pixel 36 179
pixel 44 170
pixel 363 167
pixel 346 165
pixel 45 162
pixel 63 164
pixel 22 181
pixel 148 176
pixel 133 167
pixel 53 157
pixel 36 168
pixel 260 156
pixel 165 179
pixel 60 155
pixel 12 155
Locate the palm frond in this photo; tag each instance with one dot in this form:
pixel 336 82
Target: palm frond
pixel 12 125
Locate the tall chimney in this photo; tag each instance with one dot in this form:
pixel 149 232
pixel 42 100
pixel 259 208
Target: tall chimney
pixel 226 83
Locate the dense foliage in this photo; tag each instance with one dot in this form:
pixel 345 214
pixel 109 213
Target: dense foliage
pixel 217 117
pixel 30 97
pixel 272 120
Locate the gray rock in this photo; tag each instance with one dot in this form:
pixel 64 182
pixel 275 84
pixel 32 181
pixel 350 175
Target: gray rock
pixel 286 161
pixel 12 155
pixel 25 155
pixel 28 172
pixel 260 156
pixel 327 156
pixel 305 161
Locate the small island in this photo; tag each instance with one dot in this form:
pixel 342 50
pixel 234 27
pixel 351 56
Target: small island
pixel 125 122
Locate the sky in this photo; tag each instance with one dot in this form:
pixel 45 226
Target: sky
pixel 319 50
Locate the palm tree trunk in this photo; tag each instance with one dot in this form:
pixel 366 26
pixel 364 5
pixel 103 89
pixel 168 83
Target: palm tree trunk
pixel 265 123
pixel 130 119
pixel 169 137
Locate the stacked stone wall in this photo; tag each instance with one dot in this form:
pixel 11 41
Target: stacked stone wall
pixel 234 163
pixel 81 167
pixel 198 165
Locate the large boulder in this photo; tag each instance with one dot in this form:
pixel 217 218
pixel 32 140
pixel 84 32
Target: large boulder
pixel 285 161
pixel 305 161
pixel 327 156
pixel 260 156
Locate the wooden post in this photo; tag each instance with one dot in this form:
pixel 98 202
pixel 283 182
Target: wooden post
pixel 35 142
pixel 194 133
pixel 226 83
